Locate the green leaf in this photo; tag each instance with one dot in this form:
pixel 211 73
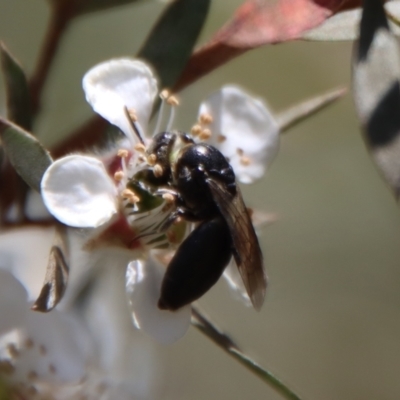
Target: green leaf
pixel 376 90
pixel 307 108
pixel 16 88
pixel 170 43
pixel 29 158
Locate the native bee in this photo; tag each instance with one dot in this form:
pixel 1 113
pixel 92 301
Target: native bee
pixel 204 187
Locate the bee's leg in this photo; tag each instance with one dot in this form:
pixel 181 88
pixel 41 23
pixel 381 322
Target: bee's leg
pixel 197 264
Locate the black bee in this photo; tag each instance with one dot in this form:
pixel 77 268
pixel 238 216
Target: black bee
pixel 204 186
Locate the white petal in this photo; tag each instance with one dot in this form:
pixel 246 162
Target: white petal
pixel 143 283
pixel 251 133
pixel 235 282
pixel 118 83
pixel 13 305
pixel 24 253
pixel 78 192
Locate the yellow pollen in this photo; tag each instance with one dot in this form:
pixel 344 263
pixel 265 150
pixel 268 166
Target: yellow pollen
pixel 130 195
pixel 165 94
pixel 168 197
pixel 245 161
pixel 151 159
pixel 173 101
pixel 118 176
pixel 196 130
pixel 239 151
pixel 158 170
pixel 205 119
pixel 123 153
pixel 205 134
pixel 132 114
pixel 140 147
pixel 221 138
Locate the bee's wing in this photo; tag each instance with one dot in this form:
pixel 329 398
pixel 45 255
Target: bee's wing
pixel 246 248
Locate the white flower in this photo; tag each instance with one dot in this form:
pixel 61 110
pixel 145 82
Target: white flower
pixel 91 192
pixel 68 353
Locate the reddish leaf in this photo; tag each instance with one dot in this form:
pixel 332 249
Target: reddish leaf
pixel 257 23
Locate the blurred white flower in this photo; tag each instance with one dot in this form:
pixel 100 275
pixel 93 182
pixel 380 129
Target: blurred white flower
pixel 68 353
pixel 96 192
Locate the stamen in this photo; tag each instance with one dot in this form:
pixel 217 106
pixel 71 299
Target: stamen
pixel 171 118
pixel 196 130
pixel 118 176
pixel 205 134
pixel 132 114
pixel 29 343
pixel 151 159
pixel 158 170
pixel 123 153
pixel 205 119
pixel 133 124
pixel 239 151
pixel 221 138
pixel 130 195
pixel 140 147
pixel 173 101
pixel 245 161
pixel 141 158
pixel 165 93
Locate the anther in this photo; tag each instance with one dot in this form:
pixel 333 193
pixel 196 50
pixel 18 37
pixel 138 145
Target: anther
pixel 123 153
pixel 221 138
pixel 158 170
pixel 140 147
pixel 29 343
pixel 239 151
pixel 132 114
pixel 118 176
pixel 165 94
pixel 130 195
pixel 168 197
pixel 151 159
pixel 205 118
pixel 173 101
pixel 196 130
pixel 245 161
pixel 205 134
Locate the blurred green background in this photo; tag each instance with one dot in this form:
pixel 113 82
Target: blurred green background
pixel 330 326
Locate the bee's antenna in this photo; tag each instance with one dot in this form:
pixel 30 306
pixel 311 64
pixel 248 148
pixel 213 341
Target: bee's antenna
pixel 132 121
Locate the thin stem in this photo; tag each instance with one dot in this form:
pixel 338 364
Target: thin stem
pixel 205 326
pixel 61 14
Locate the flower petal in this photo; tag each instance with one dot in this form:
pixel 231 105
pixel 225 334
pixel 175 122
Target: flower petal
pixel 143 284
pixel 243 130
pixel 13 305
pixel 78 192
pixel 113 85
pixel 235 282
